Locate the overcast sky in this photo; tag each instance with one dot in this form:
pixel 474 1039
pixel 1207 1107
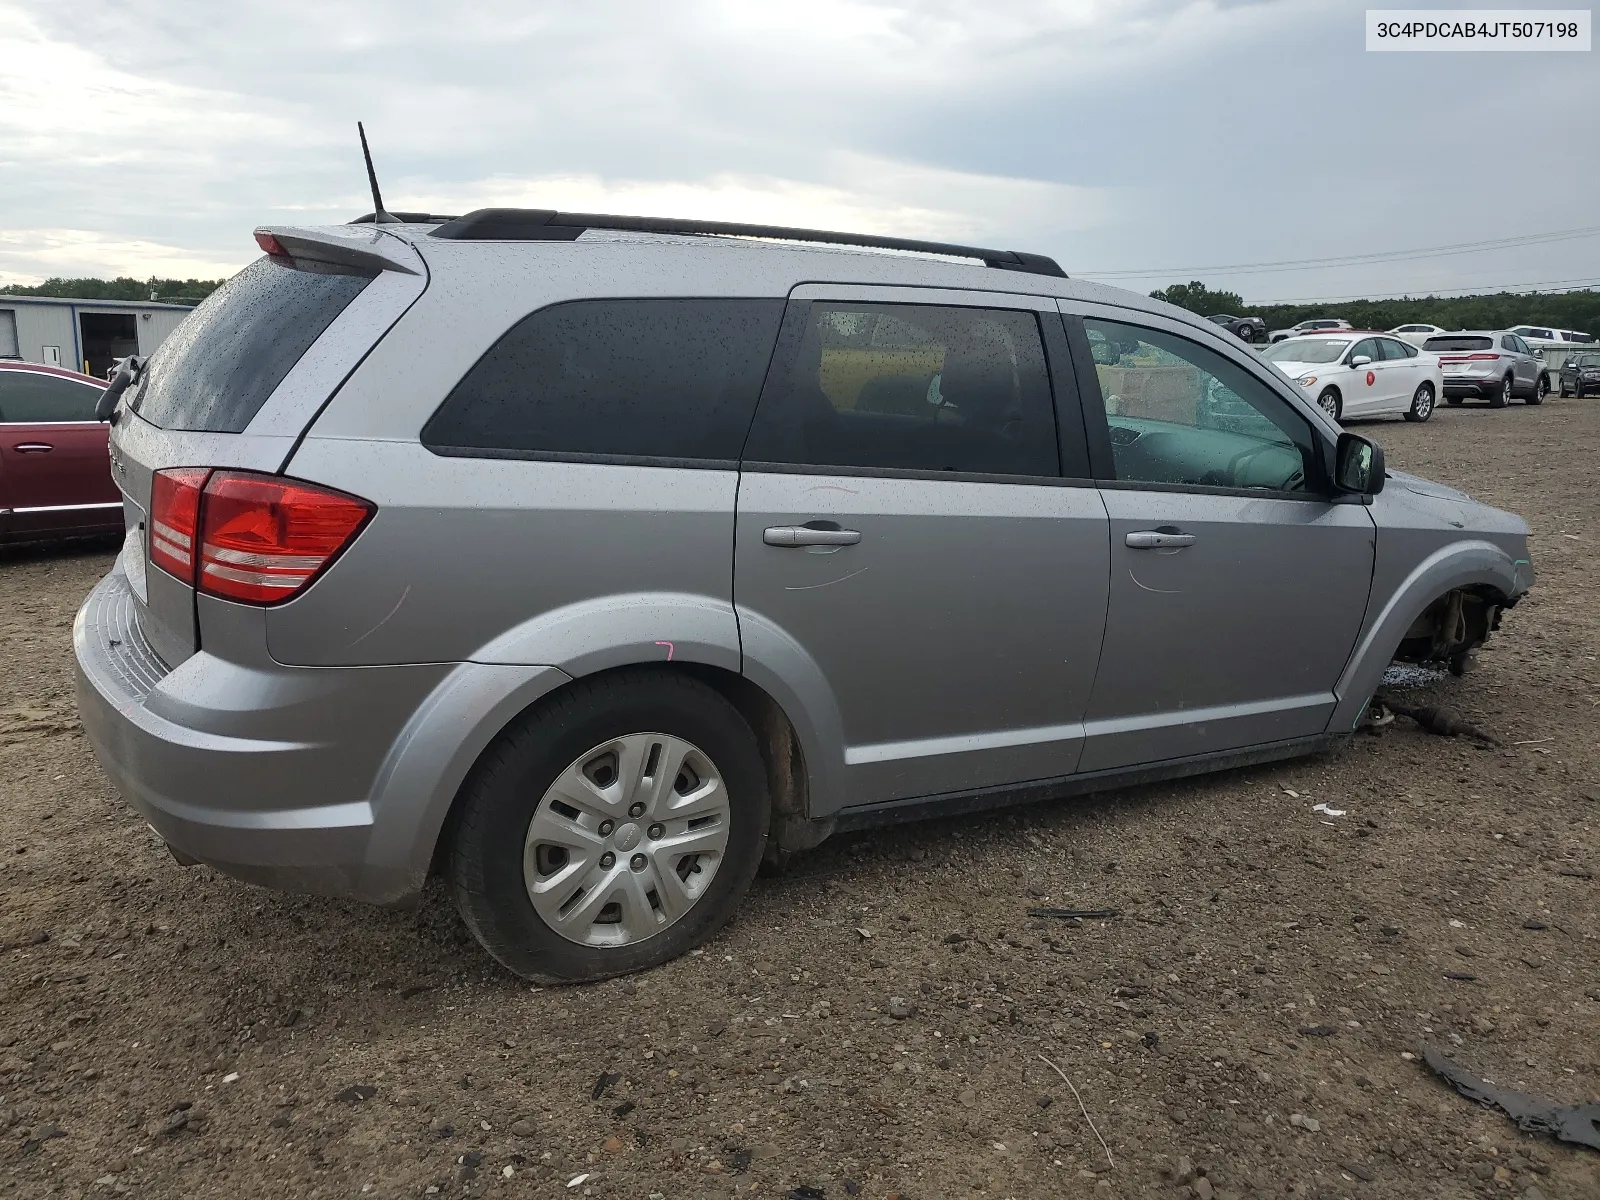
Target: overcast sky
pixel 146 137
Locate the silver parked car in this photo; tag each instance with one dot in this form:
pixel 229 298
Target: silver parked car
pixel 590 560
pixel 1495 365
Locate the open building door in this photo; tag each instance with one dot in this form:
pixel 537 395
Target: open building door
pixel 106 338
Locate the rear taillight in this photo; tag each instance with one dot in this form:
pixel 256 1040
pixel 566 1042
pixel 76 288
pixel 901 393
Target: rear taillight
pixel 1483 357
pixel 261 539
pixel 175 519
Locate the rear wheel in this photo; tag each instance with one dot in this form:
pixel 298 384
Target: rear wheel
pixel 1421 403
pixel 1330 402
pixel 1541 389
pixel 1564 392
pixel 610 830
pixel 1502 395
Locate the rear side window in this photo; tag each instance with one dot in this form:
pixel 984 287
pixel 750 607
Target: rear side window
pixel 33 396
pixel 624 378
pixel 913 387
pixel 1448 343
pixel 216 370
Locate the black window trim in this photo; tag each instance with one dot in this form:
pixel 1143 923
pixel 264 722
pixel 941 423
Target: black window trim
pixel 584 456
pixel 1319 490
pixel 1060 369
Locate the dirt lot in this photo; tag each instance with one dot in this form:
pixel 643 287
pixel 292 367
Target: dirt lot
pixel 168 1032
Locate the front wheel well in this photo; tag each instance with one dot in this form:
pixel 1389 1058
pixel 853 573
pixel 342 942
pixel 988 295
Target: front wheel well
pixel 1452 625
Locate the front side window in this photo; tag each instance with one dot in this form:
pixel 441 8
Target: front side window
pixel 651 378
pixel 1180 413
pixel 1367 347
pixel 912 387
pixel 29 397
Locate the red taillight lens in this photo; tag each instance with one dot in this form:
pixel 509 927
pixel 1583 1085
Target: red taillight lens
pixel 264 538
pixel 1482 357
pixel 175 519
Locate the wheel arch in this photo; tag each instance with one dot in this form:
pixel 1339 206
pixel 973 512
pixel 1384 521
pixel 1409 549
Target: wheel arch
pixel 1475 567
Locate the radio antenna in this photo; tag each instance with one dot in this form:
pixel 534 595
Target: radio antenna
pixel 380 215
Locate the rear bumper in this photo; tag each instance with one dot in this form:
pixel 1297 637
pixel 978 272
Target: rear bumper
pixel 291 777
pixel 1481 388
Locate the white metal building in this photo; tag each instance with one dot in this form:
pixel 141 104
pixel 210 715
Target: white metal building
pixel 83 335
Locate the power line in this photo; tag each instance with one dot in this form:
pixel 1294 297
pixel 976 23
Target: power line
pixel 1351 260
pixel 1559 285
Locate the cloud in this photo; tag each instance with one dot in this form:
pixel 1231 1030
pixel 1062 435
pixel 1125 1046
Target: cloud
pixel 1112 134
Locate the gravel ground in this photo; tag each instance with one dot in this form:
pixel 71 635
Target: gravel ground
pixel 877 1021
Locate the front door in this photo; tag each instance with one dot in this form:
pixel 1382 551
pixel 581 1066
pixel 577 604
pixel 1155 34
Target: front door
pixel 53 455
pixel 1237 587
pixel 911 556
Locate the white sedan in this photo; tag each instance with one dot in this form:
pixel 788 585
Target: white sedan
pixel 1416 334
pixel 1362 374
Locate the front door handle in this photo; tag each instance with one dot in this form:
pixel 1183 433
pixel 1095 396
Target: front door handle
pixel 1158 539
pixel 33 447
pixel 805 535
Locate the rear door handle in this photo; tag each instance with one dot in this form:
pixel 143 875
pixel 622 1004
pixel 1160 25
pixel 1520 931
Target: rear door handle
pixel 33 447
pixel 805 535
pixel 1156 539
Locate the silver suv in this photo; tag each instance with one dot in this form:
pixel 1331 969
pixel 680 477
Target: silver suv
pixel 1493 364
pixel 590 560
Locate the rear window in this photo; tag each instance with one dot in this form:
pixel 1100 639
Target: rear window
pixel 1448 343
pixel 216 370
pixel 618 379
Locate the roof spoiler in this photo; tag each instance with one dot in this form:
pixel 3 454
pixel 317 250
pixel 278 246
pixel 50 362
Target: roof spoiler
pixel 342 249
pixel 544 225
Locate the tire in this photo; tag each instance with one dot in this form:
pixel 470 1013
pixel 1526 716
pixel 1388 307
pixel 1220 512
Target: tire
pixel 1502 394
pixel 594 728
pixel 1541 389
pixel 1329 402
pixel 1564 392
pixel 1421 403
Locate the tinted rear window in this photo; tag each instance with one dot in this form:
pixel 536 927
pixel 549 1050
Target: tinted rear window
pixel 1446 344
pixel 616 378
pixel 216 370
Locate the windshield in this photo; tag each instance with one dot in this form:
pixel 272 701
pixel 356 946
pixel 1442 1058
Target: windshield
pixel 1458 342
pixel 1307 350
pixel 1587 360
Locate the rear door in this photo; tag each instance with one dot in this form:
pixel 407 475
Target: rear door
pixel 53 456
pixel 1237 587
pixel 918 548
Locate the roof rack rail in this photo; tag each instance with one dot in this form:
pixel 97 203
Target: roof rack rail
pixel 548 225
pixel 406 218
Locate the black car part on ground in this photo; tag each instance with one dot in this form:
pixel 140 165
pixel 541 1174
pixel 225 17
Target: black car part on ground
pixel 1578 1124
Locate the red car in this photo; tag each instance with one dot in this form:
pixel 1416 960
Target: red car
pixel 55 472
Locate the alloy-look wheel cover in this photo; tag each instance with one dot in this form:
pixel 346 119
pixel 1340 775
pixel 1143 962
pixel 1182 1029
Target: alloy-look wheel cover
pixel 627 840
pixel 1423 404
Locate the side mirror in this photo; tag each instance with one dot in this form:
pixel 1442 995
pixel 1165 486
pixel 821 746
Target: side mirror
pixel 1358 465
pixel 1538 353
pixel 127 375
pixel 1360 360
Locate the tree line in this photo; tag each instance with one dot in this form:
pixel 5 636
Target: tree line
pixel 167 291
pixel 1564 310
